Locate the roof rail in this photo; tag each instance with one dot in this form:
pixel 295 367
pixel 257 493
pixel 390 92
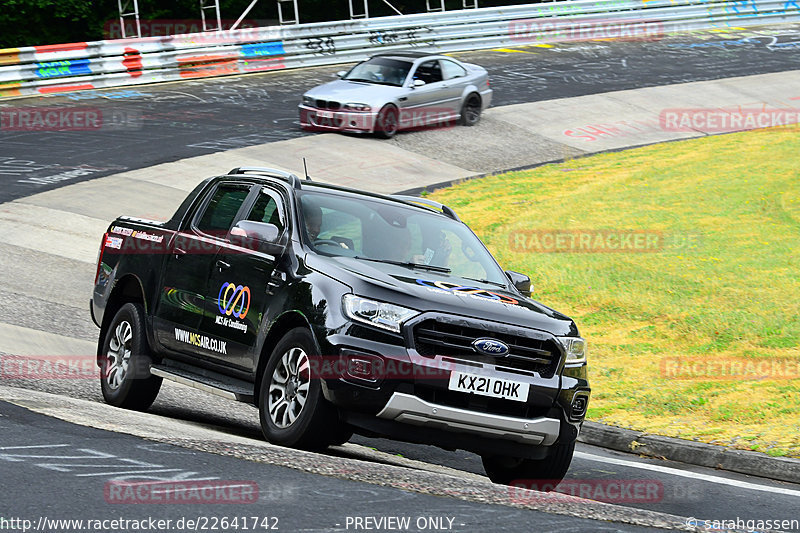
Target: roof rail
pixel 292 179
pixel 430 204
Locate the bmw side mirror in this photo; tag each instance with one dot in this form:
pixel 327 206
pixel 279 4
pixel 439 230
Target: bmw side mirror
pixel 418 83
pixel 521 282
pixel 340 74
pixel 260 236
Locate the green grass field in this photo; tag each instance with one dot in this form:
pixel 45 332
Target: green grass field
pixel 721 283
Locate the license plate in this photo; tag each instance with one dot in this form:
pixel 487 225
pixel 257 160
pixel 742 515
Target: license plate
pixel 489 386
pixel 325 114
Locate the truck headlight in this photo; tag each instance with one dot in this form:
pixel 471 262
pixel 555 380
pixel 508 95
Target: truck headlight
pixel 378 314
pixel 575 348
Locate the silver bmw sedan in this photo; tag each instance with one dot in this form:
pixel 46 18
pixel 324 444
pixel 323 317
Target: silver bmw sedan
pixel 398 91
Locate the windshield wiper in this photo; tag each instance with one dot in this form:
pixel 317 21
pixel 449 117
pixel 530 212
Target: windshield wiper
pixel 495 283
pixel 407 264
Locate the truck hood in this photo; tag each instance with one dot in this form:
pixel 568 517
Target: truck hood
pixel 431 291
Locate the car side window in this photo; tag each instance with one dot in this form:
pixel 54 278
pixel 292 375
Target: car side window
pixel 452 70
pixel 429 72
pixel 267 209
pixel 221 210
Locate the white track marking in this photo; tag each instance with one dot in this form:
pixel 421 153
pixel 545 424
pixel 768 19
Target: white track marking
pixel 690 475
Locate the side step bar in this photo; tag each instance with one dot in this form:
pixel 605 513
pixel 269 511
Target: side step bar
pixel 224 386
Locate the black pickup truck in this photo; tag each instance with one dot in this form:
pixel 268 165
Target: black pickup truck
pixel 337 311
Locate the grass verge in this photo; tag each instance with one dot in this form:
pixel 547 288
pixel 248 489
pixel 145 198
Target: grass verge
pixel 709 289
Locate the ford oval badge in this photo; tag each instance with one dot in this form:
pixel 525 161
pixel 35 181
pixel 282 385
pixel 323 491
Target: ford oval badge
pixel 490 347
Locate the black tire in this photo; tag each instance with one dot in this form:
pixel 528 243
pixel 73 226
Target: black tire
pixel 125 377
pixel 386 124
pixel 471 110
pixel 540 474
pixel 286 420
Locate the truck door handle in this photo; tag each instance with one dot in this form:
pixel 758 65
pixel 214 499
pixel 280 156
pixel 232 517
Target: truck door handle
pixel 222 265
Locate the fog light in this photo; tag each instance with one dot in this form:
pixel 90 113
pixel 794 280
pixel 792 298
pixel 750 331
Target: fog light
pixel 579 405
pixel 362 367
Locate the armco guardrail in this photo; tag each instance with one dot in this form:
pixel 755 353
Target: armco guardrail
pixel 78 66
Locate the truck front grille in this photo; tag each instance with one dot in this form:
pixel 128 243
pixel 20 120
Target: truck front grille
pixel 526 352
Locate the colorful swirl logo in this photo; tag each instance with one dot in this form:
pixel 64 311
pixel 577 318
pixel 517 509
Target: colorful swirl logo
pixel 231 296
pixel 461 289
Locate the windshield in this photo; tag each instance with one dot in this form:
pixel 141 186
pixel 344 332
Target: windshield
pixel 380 70
pixel 379 231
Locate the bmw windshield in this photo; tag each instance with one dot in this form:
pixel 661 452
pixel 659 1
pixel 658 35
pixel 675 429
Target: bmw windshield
pixel 380 70
pixel 382 231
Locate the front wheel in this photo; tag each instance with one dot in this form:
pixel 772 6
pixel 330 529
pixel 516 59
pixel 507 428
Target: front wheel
pixel 292 408
pixel 471 110
pixel 387 122
pixel 125 378
pixel 540 474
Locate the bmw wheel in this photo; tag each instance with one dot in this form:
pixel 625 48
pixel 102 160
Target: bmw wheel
pixel 387 123
pixel 471 110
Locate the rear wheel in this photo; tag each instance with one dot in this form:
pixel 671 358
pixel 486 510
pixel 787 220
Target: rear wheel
pixel 387 122
pixel 471 110
pixel 292 408
pixel 125 378
pixel 540 474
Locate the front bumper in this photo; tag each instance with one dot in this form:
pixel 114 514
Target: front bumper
pixel 409 409
pixel 312 118
pixel 413 402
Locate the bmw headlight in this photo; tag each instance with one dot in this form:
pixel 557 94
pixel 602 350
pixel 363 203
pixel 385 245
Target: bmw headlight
pixel 307 100
pixel 378 314
pixel 357 107
pixel 575 348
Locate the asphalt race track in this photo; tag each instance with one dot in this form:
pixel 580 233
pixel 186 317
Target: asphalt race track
pixel 149 125
pixel 145 126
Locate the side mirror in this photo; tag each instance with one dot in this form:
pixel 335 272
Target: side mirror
pixel 521 282
pixel 418 83
pixel 340 74
pixel 259 236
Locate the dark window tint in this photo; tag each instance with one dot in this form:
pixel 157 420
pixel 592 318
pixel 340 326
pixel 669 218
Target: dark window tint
pixel 221 210
pixel 266 210
pixel 429 72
